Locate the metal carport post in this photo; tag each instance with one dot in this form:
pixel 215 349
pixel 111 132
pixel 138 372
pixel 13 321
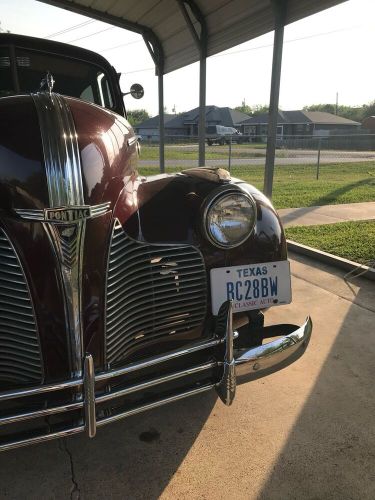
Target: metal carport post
pixel 201 40
pixel 157 54
pixel 280 9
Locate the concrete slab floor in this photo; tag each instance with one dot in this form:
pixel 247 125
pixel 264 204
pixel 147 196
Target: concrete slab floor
pixel 306 432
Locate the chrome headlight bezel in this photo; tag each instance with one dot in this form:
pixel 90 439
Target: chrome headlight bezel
pixel 210 202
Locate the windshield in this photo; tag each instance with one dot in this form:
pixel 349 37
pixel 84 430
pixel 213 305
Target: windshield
pixel 72 77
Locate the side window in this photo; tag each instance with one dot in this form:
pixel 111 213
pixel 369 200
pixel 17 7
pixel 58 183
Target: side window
pixel 6 81
pixel 87 94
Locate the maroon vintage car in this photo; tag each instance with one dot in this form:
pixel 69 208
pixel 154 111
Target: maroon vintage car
pixel 119 293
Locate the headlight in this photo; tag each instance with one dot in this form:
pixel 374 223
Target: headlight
pixel 229 218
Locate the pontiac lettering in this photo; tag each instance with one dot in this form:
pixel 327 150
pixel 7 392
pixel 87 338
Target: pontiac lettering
pixel 68 215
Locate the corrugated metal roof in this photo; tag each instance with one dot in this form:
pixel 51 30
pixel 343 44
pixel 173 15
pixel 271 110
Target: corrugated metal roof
pixel 229 22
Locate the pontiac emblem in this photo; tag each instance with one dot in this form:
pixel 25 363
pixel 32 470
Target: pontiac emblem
pixel 64 215
pixel 67 215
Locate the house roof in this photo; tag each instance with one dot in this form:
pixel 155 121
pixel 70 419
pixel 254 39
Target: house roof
pixel 327 118
pixel 222 116
pixel 154 121
pixel 229 22
pixel 300 116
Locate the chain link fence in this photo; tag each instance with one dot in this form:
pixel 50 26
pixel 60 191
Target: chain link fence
pixel 181 152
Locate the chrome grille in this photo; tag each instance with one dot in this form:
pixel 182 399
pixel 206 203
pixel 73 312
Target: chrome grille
pixel 20 359
pixel 152 291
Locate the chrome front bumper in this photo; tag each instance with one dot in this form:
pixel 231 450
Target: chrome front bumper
pixel 238 366
pixel 260 361
pixel 247 364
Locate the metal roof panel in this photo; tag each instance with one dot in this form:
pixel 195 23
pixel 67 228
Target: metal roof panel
pixel 229 22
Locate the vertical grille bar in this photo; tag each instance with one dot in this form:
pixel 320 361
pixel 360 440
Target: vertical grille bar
pixel 153 291
pixel 20 356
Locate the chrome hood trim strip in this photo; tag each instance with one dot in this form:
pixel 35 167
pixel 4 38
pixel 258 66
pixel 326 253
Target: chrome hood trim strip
pixel 61 152
pixel 65 188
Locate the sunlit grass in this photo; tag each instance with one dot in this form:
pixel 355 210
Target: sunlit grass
pixel 351 240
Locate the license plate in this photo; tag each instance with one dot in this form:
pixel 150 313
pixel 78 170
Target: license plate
pixel 251 287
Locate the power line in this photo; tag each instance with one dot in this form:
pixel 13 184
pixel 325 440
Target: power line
pixel 286 41
pixel 122 45
pixel 92 34
pixel 137 71
pixel 81 25
pixel 71 28
pixel 261 46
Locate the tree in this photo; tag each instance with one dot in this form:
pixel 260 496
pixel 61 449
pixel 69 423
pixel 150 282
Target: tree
pixel 356 113
pixel 137 116
pixel 2 30
pixel 326 108
pixel 369 109
pixel 255 110
pixel 260 109
pixel 244 108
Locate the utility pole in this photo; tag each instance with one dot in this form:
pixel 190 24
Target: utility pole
pixel 337 103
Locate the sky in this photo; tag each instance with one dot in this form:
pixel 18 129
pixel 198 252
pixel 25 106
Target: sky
pixel 323 54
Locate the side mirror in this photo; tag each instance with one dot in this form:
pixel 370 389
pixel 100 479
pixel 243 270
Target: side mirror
pixel 136 91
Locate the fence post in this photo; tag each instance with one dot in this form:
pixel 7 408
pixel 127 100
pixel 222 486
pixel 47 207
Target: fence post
pixel 318 162
pixel 230 153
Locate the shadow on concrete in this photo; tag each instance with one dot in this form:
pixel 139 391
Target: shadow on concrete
pixel 330 452
pixel 138 456
pixel 134 458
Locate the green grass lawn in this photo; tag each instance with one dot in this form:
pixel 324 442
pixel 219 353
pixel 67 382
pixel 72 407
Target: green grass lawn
pixel 296 185
pixel 351 240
